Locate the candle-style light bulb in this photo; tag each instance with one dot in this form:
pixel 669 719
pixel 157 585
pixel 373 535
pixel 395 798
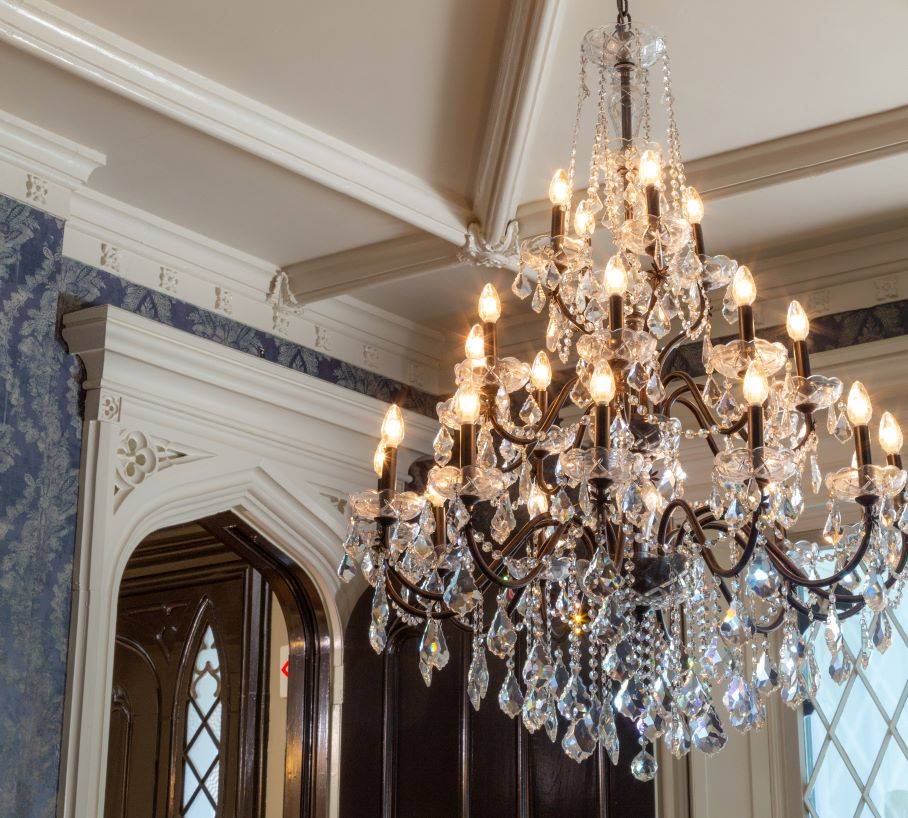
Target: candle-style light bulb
pixel 541 372
pixel 743 287
pixel 378 459
pixel 756 386
pixel 560 189
pixel 797 323
pixel 475 346
pixel 858 407
pixel 693 206
pixel 602 383
pixel 649 171
pixel 890 434
pixel 615 276
pixel 537 502
pixel 466 403
pixel 392 427
pixel 489 304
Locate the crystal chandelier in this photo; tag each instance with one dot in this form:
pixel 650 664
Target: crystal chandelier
pixel 555 529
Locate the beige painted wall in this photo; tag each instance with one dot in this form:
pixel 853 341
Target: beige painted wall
pixel 277 718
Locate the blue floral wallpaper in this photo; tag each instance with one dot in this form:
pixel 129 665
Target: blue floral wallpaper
pixel 40 439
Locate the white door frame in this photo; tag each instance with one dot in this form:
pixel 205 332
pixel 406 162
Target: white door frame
pixel 178 428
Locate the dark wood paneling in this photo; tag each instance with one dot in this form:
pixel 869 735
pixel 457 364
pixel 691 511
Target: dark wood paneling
pixel 412 752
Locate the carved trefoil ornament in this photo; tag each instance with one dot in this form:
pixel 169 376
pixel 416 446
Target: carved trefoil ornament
pixel 504 253
pixel 140 456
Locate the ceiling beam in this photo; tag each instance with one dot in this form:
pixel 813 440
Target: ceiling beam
pixel 786 159
pixel 378 263
pixel 127 69
pixel 532 32
pixel 801 155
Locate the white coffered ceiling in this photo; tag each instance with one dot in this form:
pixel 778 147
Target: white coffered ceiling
pixel 352 143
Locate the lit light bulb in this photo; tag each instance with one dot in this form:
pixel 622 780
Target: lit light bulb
pixel 756 386
pixel 560 189
pixel 890 434
pixel 743 288
pixel 615 279
pixel 602 383
pixel 649 171
pixel 378 459
pixel 537 502
pixel 797 323
pixel 467 405
pixel 475 346
pixel 392 427
pixel 489 304
pixel 541 372
pixel 584 220
pixel 859 408
pixel 693 206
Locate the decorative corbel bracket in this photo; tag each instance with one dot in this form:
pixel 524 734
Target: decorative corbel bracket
pixel 503 254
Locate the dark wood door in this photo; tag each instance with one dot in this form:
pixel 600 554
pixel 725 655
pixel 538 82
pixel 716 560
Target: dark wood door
pixel 189 693
pixel 409 751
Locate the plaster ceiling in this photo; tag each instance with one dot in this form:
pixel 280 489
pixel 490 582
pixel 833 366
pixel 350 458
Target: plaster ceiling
pixel 413 85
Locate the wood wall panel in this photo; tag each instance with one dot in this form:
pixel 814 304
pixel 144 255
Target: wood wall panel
pixel 414 752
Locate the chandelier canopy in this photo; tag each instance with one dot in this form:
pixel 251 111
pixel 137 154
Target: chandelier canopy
pixel 555 528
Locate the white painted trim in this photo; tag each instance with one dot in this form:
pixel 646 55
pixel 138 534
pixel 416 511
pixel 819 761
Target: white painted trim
pixel 365 266
pixel 530 40
pixel 41 168
pixel 275 446
pixel 121 66
pixel 162 256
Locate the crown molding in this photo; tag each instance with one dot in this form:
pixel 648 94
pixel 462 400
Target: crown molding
pixel 127 69
pixel 786 159
pixel 157 254
pixel 365 266
pixel 42 168
pixel 530 39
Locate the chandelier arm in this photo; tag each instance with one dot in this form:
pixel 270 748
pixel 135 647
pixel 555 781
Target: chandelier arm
pixel 489 572
pixel 845 570
pixel 435 596
pixel 547 490
pixel 690 386
pixel 545 424
pixel 710 440
pixel 810 429
pixel 568 313
pixel 421 612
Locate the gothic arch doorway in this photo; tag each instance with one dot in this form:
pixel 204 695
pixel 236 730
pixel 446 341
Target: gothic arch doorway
pixel 202 724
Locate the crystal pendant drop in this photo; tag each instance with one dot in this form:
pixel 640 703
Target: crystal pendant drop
pixel 502 637
pixel 816 477
pixel 706 733
pixel 530 413
pixel 346 570
pixel 691 696
pixel 842 429
pixel 510 699
pixel 380 612
pixel 840 666
pixel 644 766
pixel 882 633
pixel 578 742
pixel 655 391
pixel 677 736
pixel 462 595
pixel 538 302
pixel 551 723
pixel 536 707
pixel 607 732
pixel 521 286
pixel 762 577
pixel 442 446
pixel 735 628
pixel 875 594
pixel 478 676
pixel 766 677
pixel 433 650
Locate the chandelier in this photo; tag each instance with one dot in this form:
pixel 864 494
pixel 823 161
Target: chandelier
pixel 555 529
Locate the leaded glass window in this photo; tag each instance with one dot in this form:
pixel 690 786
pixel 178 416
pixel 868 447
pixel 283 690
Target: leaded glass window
pixel 202 749
pixel 856 738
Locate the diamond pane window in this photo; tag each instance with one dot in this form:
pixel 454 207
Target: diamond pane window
pixel 202 750
pixel 856 738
